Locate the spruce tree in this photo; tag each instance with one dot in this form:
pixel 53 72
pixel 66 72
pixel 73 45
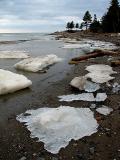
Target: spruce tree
pixel 81 25
pixel 72 25
pixel 87 19
pixel 68 25
pixel 111 20
pixel 77 26
pixel 95 25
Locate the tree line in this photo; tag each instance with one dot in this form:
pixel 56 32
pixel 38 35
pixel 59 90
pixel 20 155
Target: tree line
pixel 110 22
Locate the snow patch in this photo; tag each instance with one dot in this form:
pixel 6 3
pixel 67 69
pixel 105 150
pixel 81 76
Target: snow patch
pixel 13 54
pixel 56 127
pixel 83 97
pixel 83 84
pixel 104 110
pixel 37 64
pixel 11 82
pixel 100 73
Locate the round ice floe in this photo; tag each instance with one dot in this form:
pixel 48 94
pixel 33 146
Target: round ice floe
pixel 57 126
pixel 100 68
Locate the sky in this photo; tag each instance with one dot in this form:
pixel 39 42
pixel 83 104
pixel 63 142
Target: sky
pixel 45 15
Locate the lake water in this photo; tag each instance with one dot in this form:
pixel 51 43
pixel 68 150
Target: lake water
pixel 36 44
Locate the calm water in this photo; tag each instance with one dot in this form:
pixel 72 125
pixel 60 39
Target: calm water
pixel 37 44
pixel 23 36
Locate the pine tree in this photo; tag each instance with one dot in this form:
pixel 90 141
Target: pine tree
pixel 68 25
pixel 95 25
pixel 72 25
pixel 81 25
pixel 87 19
pixel 77 25
pixel 95 18
pixel 111 20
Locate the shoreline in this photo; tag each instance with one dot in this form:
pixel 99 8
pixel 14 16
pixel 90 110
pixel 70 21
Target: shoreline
pixel 15 138
pixel 78 35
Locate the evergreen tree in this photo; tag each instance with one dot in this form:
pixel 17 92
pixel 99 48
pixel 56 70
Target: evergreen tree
pixel 95 18
pixel 77 26
pixel 68 25
pixel 111 20
pixel 72 25
pixel 95 25
pixel 87 19
pixel 81 25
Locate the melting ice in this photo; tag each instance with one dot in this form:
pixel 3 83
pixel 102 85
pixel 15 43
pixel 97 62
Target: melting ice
pixel 83 84
pixel 11 82
pixel 56 127
pixel 83 97
pixel 37 64
pixel 104 110
pixel 13 54
pixel 100 73
pixel 90 45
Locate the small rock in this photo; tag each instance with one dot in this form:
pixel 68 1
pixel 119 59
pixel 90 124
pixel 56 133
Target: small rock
pixel 93 106
pixel 107 129
pixel 92 150
pixel 34 154
pixel 23 158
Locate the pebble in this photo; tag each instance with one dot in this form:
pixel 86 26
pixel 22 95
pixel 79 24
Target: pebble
pixel 34 154
pixel 23 158
pixel 93 106
pixel 92 150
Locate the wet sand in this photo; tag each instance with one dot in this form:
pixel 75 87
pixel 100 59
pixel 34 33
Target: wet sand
pixel 15 141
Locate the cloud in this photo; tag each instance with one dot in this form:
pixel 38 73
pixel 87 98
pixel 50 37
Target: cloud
pixel 45 15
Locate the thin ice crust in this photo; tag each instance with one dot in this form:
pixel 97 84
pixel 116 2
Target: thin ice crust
pixel 56 127
pixel 13 55
pixel 100 73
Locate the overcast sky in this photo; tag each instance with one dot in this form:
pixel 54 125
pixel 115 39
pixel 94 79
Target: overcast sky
pixel 45 15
